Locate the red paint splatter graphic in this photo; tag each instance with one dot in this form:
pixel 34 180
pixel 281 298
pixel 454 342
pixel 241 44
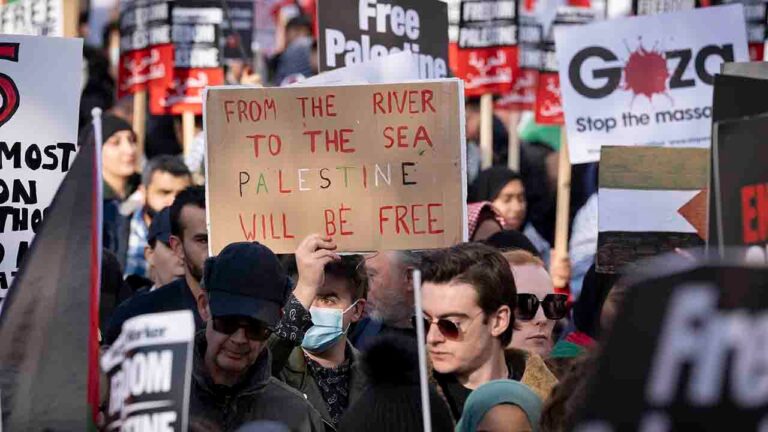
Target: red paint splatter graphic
pixel 646 73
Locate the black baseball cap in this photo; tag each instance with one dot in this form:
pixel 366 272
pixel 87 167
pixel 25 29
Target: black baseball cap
pixel 246 279
pixel 160 229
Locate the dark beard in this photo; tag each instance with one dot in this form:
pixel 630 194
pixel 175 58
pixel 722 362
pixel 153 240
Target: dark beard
pixel 194 271
pixel 149 212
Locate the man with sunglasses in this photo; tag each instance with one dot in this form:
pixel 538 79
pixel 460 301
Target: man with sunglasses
pixel 312 353
pixel 538 307
pixel 468 299
pixel 245 288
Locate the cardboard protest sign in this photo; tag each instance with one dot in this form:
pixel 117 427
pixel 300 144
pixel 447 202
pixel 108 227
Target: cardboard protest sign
pixel 374 166
pixel 38 136
pixel 33 18
pixel 146 52
pixel 684 354
pixel 549 103
pixel 659 93
pixel 149 373
pixel 363 30
pixel 49 333
pixel 484 54
pixel 197 57
pixel 651 200
pixel 741 185
pixel 239 39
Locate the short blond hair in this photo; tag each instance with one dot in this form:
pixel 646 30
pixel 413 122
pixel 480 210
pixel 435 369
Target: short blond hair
pixel 520 257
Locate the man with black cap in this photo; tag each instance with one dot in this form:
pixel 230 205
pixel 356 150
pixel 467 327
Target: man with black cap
pixel 244 290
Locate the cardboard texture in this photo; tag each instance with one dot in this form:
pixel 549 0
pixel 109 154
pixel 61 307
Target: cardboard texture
pixel 386 170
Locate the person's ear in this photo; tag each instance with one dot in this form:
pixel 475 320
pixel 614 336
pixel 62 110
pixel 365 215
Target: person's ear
pixel 409 278
pixel 500 322
pixel 148 254
pixel 357 311
pixel 176 246
pixel 203 307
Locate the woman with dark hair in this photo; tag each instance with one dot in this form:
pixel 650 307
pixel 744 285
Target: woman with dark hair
pixel 504 188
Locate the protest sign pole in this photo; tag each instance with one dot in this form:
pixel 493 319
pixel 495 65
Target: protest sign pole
pixel 188 130
pixel 140 123
pixel 513 156
pixel 486 130
pixel 421 336
pixel 71 13
pixel 563 198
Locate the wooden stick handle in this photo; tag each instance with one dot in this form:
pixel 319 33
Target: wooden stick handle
pixel 486 130
pixel 563 198
pixel 188 130
pixel 140 124
pixel 513 156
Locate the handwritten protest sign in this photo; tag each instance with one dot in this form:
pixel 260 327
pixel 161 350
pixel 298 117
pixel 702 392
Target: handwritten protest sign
pixel 149 370
pixel 684 353
pixel 658 93
pixel 353 32
pixel 38 136
pixel 374 166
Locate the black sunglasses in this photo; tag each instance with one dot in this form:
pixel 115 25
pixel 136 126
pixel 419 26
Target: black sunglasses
pixel 254 329
pixel 555 306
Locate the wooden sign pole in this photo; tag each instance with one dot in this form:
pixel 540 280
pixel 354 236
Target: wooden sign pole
pixel 513 156
pixel 140 124
pixel 486 130
pixel 563 198
pixel 188 130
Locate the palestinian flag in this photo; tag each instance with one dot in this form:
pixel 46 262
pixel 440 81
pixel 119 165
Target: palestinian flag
pixel 49 324
pixel 651 200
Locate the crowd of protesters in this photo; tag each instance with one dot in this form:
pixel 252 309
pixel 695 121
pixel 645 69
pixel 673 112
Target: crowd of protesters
pixel 317 341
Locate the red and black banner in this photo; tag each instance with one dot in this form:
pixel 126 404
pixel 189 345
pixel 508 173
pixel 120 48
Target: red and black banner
pixel 195 33
pixel 485 52
pixel 146 53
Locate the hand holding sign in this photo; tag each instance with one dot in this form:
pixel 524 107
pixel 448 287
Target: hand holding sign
pixel 312 255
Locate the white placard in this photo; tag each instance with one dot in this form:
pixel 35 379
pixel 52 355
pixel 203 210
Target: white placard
pixel 38 135
pixel 645 80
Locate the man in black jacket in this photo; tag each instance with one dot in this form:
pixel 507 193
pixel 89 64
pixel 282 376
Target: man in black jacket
pixel 189 241
pixel 245 290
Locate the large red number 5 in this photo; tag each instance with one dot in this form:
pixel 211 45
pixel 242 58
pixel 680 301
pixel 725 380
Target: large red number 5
pixel 8 90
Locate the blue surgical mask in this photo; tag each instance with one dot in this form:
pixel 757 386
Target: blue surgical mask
pixel 327 328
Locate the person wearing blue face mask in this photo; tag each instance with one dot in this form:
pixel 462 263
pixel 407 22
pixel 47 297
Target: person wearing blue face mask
pixel 310 348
